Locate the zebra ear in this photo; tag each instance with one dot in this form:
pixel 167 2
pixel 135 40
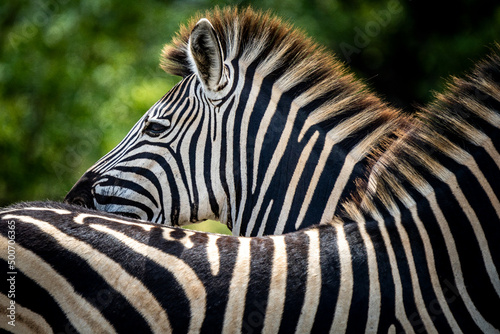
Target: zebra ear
pixel 205 53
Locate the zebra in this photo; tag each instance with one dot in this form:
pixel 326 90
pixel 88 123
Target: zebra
pixel 413 249
pixel 79 270
pixel 266 133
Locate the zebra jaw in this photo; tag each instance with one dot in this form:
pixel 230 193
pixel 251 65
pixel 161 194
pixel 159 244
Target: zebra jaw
pixel 83 194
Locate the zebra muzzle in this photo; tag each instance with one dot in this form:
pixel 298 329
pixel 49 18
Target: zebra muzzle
pixel 81 193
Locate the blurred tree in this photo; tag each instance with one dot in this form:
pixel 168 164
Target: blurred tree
pixel 75 76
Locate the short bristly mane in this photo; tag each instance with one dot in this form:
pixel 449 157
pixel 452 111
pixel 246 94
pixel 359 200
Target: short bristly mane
pixel 457 125
pixel 254 37
pixel 280 51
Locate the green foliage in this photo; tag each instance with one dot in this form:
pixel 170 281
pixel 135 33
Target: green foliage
pixel 209 226
pixel 75 76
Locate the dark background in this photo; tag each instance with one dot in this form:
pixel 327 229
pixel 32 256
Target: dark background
pixel 76 75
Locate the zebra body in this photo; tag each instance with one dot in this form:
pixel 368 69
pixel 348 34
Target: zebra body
pixel 264 127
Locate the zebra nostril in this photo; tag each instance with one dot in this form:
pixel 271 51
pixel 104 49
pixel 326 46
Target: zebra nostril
pixel 79 201
pixel 81 193
pixel 83 201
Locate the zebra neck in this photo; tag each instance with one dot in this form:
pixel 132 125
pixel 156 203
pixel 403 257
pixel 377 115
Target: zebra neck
pixel 432 201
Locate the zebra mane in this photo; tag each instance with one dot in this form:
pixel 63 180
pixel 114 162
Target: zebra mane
pixel 280 51
pixel 253 37
pixel 413 154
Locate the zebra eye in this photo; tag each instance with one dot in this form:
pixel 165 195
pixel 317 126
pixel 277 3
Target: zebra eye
pixel 154 129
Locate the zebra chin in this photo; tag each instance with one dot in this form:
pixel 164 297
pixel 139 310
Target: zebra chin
pixel 124 202
pixel 123 211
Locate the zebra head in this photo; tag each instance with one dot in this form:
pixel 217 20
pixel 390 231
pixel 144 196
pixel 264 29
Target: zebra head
pixel 266 132
pixel 163 170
